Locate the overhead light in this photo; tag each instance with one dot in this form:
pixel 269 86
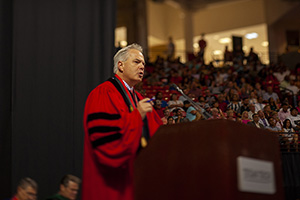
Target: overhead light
pixel 196 45
pixel 225 40
pixel 217 52
pixel 251 36
pixel 265 43
pixel 123 43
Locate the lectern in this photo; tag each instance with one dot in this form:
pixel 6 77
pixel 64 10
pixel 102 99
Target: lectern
pixel 211 160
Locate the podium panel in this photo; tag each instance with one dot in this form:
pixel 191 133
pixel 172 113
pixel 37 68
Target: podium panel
pixel 211 159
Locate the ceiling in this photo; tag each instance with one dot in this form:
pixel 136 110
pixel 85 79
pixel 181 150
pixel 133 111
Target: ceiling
pixel 195 4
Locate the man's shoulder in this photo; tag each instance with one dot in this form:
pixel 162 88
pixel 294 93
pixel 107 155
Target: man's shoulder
pixel 104 87
pixel 191 108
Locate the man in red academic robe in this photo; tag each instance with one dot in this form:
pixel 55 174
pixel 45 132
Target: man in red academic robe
pixel 117 123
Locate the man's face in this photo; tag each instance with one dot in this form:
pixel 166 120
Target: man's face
pixel 159 96
pixel 28 193
pixel 132 70
pixel 261 114
pixel 270 90
pixel 246 102
pixel 158 104
pixel 267 108
pixel 257 86
pixel 186 91
pixel 178 113
pixel 166 112
pixel 294 112
pixel 285 108
pixel 255 118
pixel 252 108
pixel 70 191
pixel 272 121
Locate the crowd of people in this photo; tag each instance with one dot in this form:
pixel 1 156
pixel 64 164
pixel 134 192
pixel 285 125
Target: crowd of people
pixel 243 90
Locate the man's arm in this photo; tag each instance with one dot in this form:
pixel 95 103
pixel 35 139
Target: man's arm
pixel 113 131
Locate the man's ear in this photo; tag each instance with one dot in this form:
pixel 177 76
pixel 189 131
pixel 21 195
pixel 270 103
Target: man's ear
pixel 19 189
pixel 121 66
pixel 61 187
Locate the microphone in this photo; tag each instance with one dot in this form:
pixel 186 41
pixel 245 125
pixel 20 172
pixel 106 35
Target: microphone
pixel 176 87
pixel 202 111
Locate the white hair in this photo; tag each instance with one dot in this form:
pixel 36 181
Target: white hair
pixel 123 54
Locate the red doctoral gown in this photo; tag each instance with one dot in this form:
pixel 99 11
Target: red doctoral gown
pixel 112 138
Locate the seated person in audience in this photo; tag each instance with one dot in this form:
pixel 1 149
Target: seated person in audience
pixel 178 117
pixel 245 117
pixel 159 96
pixel 186 92
pixel 171 120
pixel 295 119
pixel 287 126
pixel 260 92
pixel 209 98
pixel 158 108
pixel 215 88
pixel 273 104
pixel 175 78
pixel 278 123
pixel 201 101
pixel 174 102
pixel 284 112
pixel 259 105
pixel 68 188
pixel 267 110
pixel 245 105
pixel 272 125
pixel 26 190
pixel 230 115
pixel 190 111
pixel 222 102
pixel 253 98
pixel 255 122
pixel 235 104
pixel 251 110
pixel 164 119
pixel 207 108
pixel 262 119
pixel 215 114
pixel 195 89
pixel 269 93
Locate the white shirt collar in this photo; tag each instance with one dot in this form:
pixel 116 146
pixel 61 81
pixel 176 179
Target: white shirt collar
pixel 127 86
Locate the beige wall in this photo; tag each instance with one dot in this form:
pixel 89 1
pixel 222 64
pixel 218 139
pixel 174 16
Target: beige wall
pixel 275 9
pixel 164 21
pixel 277 30
pixel 229 16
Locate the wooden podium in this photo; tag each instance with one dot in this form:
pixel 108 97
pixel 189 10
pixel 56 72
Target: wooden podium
pixel 199 160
